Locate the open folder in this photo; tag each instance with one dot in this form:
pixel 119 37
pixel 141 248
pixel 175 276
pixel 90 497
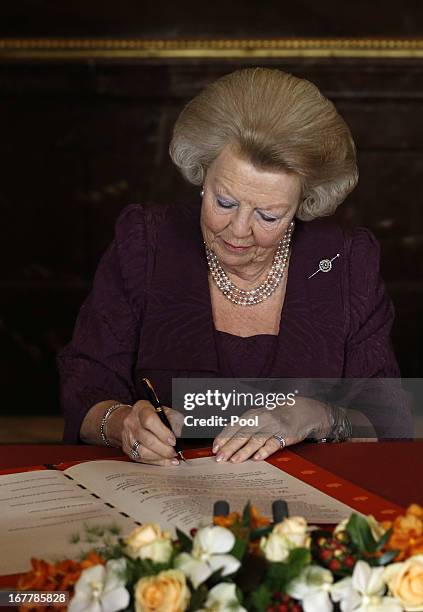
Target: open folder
pixel 44 510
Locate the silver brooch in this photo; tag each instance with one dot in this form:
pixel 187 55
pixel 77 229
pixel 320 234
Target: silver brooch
pixel 325 265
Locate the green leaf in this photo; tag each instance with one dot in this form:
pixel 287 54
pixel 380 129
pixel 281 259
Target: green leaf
pixel 387 557
pixel 146 567
pixel 198 597
pixel 215 577
pixel 383 540
pixel 246 515
pixel 260 599
pixel 110 551
pixel 252 572
pixel 299 556
pixel 261 532
pixel 279 574
pixel 239 548
pixel 115 529
pixel 75 538
pixel 360 533
pixel 94 531
pixel 186 542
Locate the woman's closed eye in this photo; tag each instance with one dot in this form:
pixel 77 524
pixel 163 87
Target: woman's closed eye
pixel 268 218
pixel 224 204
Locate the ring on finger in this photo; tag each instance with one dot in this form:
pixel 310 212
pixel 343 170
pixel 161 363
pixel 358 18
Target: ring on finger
pixel 280 439
pixel 134 449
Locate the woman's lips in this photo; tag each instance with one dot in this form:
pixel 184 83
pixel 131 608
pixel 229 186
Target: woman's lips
pixel 235 249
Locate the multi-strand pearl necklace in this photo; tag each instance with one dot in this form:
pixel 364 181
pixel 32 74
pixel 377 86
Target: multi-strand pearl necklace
pixel 241 297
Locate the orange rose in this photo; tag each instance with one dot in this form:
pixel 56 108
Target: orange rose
pixel 60 576
pixel 256 519
pixel 408 525
pixel 415 510
pixel 407 533
pixel 227 521
pixel 166 592
pixel 405 581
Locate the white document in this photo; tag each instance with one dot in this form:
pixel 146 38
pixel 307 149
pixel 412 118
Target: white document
pixel 185 495
pixel 41 511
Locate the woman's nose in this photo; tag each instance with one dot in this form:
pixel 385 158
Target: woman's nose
pixel 241 224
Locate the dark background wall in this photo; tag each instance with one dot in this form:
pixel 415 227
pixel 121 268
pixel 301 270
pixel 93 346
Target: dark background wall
pixel 82 138
pixel 220 18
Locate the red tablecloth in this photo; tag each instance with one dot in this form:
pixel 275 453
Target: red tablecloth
pixel 393 470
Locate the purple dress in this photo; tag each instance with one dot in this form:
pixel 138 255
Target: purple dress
pixel 149 314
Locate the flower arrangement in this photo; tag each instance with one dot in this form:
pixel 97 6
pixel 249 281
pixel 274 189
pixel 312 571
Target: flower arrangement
pixel 242 562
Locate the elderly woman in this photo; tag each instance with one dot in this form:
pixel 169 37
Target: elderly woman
pixel 252 283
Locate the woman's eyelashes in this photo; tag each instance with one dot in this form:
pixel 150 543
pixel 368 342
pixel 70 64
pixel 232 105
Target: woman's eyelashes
pixel 224 204
pixel 266 218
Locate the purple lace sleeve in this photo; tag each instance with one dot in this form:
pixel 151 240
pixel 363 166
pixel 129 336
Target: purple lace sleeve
pixel 369 314
pixel 97 364
pixel 369 353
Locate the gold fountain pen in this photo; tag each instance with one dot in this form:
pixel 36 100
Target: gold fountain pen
pixel 152 396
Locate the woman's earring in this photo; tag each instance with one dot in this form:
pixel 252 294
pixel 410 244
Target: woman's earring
pixel 202 192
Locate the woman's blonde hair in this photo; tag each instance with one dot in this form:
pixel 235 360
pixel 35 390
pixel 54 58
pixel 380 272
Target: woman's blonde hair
pixel 277 122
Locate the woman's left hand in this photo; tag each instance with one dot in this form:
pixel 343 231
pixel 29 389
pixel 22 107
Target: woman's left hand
pixel 294 423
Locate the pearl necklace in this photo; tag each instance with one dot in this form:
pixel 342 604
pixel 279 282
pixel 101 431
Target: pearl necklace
pixel 241 297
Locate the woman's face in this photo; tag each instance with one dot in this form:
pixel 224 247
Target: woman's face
pixel 246 211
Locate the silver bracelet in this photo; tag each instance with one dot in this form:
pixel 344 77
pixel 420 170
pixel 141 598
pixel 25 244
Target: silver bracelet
pixel 343 431
pixel 106 416
pixel 341 428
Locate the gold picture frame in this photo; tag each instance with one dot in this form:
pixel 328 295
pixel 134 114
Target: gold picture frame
pixel 109 48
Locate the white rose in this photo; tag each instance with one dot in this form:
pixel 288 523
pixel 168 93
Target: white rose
pixel 149 542
pixel 294 524
pixel 295 529
pixel 275 547
pixel 286 535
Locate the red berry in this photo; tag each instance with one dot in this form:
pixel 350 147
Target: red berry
pixel 349 561
pixel 334 565
pixel 296 608
pixel 283 608
pixel 193 531
pixel 326 555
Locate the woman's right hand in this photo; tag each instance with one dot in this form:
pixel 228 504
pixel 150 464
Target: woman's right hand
pixel 157 442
